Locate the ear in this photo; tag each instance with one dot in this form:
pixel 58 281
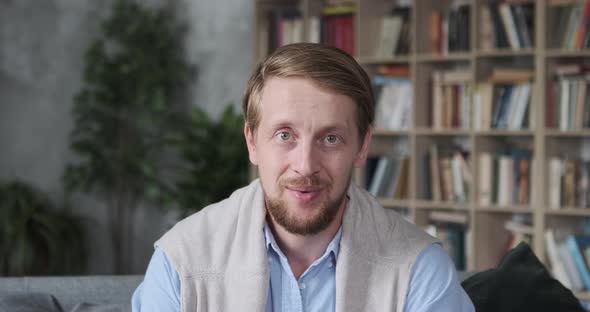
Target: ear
pixel 361 157
pixel 250 142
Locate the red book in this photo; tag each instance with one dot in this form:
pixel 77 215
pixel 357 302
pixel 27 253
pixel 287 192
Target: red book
pixel 582 26
pixel 436 32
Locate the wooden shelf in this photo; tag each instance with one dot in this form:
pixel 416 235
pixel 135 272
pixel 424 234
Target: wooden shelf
pixel 568 53
pixel 452 57
pixel 426 204
pixel 488 221
pixel 506 53
pixel 567 133
pixel 507 133
pixel 373 60
pixel 505 209
pixel 442 132
pixel 386 132
pixel 568 211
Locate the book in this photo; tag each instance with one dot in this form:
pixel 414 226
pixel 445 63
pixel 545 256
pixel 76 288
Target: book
pixel 448 217
pixel 436 32
pixel 564 104
pixel 557 266
pixel 555 174
pixel 487 29
pixel 389 36
pixel 505 186
pixel 500 36
pixel 523 18
pixel 457 173
pixel 517 118
pixel 576 247
pixel 511 75
pixel 379 176
pixel 401 185
pixel 485 179
pixel 570 266
pixel 509 27
pixel 435 175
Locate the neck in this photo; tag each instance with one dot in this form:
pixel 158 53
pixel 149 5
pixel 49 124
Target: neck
pixel 302 250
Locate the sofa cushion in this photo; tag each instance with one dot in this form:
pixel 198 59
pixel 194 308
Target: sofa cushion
pixel 31 302
pixel 519 283
pixel 70 291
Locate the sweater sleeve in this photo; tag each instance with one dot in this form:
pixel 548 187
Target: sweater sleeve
pixel 160 289
pixel 434 285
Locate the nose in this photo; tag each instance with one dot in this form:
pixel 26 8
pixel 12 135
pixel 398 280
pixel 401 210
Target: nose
pixel 306 159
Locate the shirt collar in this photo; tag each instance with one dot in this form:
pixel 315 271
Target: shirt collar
pixel 333 248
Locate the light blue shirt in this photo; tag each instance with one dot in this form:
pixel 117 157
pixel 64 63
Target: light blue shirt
pixel 316 288
pixel 433 283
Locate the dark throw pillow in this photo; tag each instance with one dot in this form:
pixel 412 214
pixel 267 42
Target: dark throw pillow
pixel 519 283
pixel 32 302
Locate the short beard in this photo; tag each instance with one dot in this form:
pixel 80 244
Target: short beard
pixel 327 211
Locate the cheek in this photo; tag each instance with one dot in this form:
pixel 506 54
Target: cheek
pixel 271 163
pixel 339 166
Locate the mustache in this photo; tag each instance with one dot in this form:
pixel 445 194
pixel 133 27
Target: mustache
pixel 308 181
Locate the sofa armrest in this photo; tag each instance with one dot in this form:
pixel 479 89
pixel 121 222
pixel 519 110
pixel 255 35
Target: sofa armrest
pixel 71 290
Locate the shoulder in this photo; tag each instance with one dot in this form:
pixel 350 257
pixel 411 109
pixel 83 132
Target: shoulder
pixel 434 284
pixel 160 288
pixel 384 228
pixel 433 263
pixel 202 237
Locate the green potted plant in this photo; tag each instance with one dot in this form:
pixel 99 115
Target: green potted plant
pixel 124 114
pixel 37 238
pixel 214 158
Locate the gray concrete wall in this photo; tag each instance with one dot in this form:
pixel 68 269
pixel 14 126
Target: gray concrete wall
pixel 41 59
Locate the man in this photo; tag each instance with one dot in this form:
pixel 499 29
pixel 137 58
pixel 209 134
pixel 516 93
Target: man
pixel 302 237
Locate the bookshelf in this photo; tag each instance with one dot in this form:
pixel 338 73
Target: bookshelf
pixel 529 140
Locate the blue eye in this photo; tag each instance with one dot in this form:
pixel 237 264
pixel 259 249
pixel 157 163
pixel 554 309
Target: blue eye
pixel 284 136
pixel 331 139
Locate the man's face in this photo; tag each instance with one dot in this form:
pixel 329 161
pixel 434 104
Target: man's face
pixel 306 146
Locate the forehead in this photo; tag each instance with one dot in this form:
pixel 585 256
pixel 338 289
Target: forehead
pixel 300 99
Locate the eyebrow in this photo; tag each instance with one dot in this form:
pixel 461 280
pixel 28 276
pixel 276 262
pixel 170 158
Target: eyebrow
pixel 338 127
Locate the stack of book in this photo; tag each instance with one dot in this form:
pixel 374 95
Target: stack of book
pixel 568 104
pixel 505 179
pixel 394 36
pixel 572 21
pixel 286 27
pixel 507 25
pixel 503 101
pixel 393 91
pixel 449 29
pixel 388 176
pixel 569 258
pixel 336 25
pixel 449 174
pixel 568 183
pixel 451 229
pixel 451 99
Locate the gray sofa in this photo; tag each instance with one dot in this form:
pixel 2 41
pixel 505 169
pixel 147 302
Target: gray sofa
pixel 81 293
pixel 98 293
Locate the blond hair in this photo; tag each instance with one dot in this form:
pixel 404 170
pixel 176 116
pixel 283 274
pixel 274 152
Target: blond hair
pixel 327 66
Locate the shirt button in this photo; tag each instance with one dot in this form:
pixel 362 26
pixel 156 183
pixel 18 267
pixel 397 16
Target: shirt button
pixel 301 286
pixel 330 264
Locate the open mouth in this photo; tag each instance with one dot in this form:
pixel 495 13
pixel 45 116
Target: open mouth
pixel 305 194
